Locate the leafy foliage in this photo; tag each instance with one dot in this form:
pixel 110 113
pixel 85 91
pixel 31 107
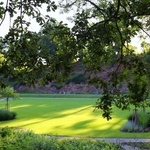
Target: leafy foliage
pixel 12 139
pixel 130 126
pixel 77 79
pixel 77 144
pixel 62 53
pixel 42 57
pixel 8 93
pixel 143 122
pixel 25 140
pixel 102 30
pixel 144 119
pixel 7 115
pixel 138 89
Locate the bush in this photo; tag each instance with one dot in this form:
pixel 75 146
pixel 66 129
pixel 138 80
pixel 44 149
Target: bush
pixel 5 132
pixel 130 126
pixel 77 79
pixel 7 115
pixel 141 125
pixel 27 140
pixel 87 144
pixel 144 119
pixel 57 86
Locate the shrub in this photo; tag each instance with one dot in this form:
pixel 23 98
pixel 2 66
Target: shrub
pixel 4 132
pixel 87 144
pixel 130 126
pixel 143 118
pixel 7 115
pixel 57 86
pixel 77 79
pixel 26 140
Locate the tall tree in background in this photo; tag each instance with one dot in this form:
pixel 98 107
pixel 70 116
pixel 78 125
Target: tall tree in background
pixel 58 41
pixel 28 57
pixel 21 58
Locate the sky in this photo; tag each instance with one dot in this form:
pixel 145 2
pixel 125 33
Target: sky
pixel 59 17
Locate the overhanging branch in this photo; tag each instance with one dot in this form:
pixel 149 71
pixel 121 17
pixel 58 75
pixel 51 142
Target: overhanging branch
pixel 6 8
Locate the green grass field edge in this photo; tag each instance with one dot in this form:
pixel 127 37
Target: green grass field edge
pixel 60 95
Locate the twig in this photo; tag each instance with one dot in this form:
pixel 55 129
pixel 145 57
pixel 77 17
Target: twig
pixel 4 13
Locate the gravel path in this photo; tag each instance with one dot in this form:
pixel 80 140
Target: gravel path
pixel 123 140
pixel 113 140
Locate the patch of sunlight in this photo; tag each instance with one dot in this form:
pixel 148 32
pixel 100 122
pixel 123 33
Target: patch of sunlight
pixel 116 127
pixel 59 127
pixel 77 110
pixel 81 121
pixel 21 106
pixel 103 124
pixel 21 123
pixel 30 121
pixel 70 124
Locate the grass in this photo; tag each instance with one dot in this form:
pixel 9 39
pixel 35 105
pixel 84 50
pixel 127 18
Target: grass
pixel 67 117
pixel 60 95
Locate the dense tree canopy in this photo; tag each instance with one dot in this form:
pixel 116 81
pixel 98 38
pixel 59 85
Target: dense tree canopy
pixel 104 30
pixel 32 56
pixel 100 37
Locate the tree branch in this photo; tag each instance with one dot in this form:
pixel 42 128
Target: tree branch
pixel 143 30
pixel 4 13
pixel 97 7
pixel 21 13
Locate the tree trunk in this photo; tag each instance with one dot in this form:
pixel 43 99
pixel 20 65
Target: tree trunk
pixel 135 116
pixel 7 103
pixel 144 110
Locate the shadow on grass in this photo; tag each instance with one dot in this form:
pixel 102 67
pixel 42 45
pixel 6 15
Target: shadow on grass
pixel 69 117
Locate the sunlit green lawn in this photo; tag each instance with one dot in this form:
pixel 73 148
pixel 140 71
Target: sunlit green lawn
pixel 67 117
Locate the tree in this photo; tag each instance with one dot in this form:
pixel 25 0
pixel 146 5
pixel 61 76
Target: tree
pixel 8 93
pixel 58 41
pixel 138 91
pixel 102 29
pixel 21 42
pixel 43 56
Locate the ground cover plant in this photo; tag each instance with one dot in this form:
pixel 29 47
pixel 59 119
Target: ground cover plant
pixel 12 139
pixel 139 145
pixel 141 125
pixel 67 117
